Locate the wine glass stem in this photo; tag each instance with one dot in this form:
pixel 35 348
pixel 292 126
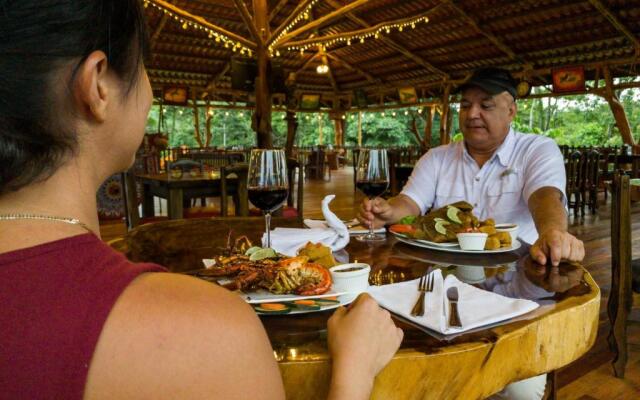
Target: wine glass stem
pixel 267 222
pixel 371 234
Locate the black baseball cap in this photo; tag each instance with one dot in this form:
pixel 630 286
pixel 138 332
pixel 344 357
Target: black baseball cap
pixel 492 81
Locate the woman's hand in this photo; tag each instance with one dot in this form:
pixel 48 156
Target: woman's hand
pixel 362 340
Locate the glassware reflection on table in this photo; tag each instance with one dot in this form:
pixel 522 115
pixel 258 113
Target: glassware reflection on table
pixel 267 182
pixel 372 178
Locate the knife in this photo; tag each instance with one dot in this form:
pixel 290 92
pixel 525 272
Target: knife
pixel 454 317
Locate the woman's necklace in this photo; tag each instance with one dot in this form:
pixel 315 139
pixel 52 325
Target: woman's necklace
pixel 66 220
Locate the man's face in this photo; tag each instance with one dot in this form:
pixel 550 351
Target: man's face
pixel 485 119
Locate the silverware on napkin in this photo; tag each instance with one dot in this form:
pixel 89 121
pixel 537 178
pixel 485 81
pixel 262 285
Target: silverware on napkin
pixel 454 317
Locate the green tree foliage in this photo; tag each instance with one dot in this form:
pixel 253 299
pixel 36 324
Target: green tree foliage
pixel 572 120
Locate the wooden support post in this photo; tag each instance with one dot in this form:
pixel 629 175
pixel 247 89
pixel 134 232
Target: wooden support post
pixel 359 128
pixel 428 126
pixel 196 119
pixel 262 115
pixel 292 127
pixel 617 109
pixel 209 119
pixel 444 116
pixel 338 127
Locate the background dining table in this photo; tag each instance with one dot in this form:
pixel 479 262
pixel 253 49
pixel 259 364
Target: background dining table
pixel 175 189
pixel 471 365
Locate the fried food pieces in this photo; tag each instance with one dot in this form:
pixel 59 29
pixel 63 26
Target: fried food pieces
pixel 319 254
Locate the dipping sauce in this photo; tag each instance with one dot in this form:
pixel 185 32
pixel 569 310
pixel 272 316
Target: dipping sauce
pixel 349 269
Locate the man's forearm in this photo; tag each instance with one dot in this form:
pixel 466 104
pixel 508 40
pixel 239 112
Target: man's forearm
pixel 547 209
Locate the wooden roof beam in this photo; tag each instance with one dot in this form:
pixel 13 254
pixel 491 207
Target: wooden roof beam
pixel 613 20
pixel 396 46
pixel 158 30
pixel 494 39
pixel 317 23
pixel 300 8
pixel 307 63
pixel 248 19
pixel 187 16
pixel 277 9
pixel 212 83
pixel 352 34
pixel 367 75
pixel 332 79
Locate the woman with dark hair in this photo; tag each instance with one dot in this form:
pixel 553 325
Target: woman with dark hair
pixel 77 319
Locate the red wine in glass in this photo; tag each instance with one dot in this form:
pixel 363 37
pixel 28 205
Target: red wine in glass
pixel 268 198
pixel 372 178
pixel 267 183
pixel 373 188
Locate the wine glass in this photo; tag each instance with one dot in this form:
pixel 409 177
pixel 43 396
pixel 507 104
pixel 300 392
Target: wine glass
pixel 372 178
pixel 267 182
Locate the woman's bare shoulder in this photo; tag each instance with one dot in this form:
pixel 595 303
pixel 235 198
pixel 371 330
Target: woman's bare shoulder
pixel 172 336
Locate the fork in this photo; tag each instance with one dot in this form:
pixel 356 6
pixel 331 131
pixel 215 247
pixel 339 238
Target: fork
pixel 424 285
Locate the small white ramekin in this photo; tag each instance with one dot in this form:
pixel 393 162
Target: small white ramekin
pixel 511 228
pixel 472 240
pixel 354 282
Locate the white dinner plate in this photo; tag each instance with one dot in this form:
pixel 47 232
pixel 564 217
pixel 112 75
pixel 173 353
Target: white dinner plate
pixel 427 242
pixel 453 249
pixel 301 311
pixel 264 296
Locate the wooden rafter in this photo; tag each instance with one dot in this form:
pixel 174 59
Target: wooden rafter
pixel 332 79
pixel 620 27
pixel 212 83
pixel 350 34
pixel 158 30
pixel 307 63
pixel 317 23
pixel 187 16
pixel 396 46
pixel 277 9
pixel 367 75
pixel 493 38
pixel 299 8
pixel 248 19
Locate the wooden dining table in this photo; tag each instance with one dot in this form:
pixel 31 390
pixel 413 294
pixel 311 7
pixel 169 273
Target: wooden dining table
pixel 174 189
pixel 472 365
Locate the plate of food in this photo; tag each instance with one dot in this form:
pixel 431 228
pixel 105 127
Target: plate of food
pixel 441 228
pixel 298 306
pixel 274 283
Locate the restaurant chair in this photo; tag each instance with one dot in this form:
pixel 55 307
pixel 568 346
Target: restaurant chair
pixel 620 297
pixel 591 180
pixel 237 189
pixel 317 166
pixel 132 216
pixel 574 171
pixel 295 198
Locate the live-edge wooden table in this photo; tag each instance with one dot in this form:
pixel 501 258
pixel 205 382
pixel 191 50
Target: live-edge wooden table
pixel 469 366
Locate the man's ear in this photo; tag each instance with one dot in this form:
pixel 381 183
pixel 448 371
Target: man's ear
pixel 92 86
pixel 513 110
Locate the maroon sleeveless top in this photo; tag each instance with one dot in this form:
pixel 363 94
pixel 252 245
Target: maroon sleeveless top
pixel 54 301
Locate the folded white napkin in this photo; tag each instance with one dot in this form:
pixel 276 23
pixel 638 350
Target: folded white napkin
pixel 288 240
pixel 354 226
pixel 476 307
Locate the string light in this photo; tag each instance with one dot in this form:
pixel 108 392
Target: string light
pixel 376 34
pixel 304 15
pixel 215 36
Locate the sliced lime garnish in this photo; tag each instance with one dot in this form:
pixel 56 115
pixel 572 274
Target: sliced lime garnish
pixel 252 250
pixel 262 254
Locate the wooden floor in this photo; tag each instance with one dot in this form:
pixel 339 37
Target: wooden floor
pixel 591 377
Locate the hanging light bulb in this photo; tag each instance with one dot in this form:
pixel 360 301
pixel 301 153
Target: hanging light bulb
pixel 322 69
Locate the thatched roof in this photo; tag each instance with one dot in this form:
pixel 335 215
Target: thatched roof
pixel 528 37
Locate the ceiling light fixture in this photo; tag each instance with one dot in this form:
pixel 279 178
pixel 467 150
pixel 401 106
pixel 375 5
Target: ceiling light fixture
pixel 322 69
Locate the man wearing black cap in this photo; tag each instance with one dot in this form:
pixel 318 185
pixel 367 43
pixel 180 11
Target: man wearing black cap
pixel 509 176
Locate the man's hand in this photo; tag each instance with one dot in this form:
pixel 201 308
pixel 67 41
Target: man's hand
pixel 556 245
pixel 378 211
pixel 381 212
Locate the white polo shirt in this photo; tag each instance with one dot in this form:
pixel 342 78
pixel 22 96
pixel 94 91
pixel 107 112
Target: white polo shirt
pixel 500 189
